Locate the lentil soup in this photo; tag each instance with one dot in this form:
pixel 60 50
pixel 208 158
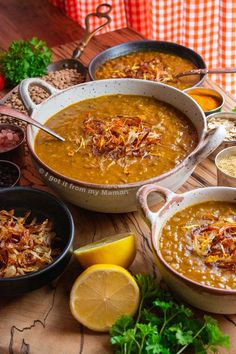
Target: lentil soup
pixel 116 139
pixel 199 242
pixel 149 65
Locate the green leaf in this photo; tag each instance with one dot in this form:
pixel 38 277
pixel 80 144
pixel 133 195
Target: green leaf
pixel 215 336
pixel 234 109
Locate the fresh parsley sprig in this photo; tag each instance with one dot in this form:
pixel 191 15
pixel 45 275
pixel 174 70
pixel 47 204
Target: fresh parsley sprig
pixel 163 326
pixel 25 59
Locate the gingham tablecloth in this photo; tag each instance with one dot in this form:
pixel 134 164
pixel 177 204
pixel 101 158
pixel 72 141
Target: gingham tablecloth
pixel 206 26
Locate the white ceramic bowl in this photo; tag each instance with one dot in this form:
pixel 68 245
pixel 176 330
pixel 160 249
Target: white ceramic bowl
pixel 204 297
pixel 117 197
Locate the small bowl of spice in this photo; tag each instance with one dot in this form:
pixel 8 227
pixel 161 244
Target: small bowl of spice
pixel 9 174
pixel 210 100
pixel 11 142
pixel 228 120
pixel 226 167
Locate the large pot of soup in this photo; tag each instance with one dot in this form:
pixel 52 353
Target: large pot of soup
pixel 119 135
pixel 194 244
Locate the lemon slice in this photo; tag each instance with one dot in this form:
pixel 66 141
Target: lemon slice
pixel 102 294
pixel 117 249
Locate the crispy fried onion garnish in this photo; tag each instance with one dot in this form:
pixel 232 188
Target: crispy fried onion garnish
pixel 24 247
pixel 153 69
pixel 216 242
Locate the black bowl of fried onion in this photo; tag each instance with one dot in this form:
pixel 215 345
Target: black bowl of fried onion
pixel 36 235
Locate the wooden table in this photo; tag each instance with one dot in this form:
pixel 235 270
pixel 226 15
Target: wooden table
pixel 40 322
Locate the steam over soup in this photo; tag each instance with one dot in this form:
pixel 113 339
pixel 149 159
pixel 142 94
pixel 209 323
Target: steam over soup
pixel 200 243
pixel 150 65
pixel 116 139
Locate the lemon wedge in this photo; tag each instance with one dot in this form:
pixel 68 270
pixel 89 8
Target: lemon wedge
pixel 116 249
pixel 102 294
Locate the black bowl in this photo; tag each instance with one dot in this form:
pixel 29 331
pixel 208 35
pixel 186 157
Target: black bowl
pixel 42 205
pixel 147 45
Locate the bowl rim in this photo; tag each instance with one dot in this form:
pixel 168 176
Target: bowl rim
pixel 15 128
pixel 14 165
pixel 145 42
pixel 101 186
pixel 66 249
pixel 174 272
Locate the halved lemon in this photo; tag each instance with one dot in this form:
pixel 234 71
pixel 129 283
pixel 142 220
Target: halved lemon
pixel 102 294
pixel 116 249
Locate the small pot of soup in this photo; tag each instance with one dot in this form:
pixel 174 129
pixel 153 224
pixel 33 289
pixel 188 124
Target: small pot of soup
pixel 119 135
pixel 194 244
pixel 158 61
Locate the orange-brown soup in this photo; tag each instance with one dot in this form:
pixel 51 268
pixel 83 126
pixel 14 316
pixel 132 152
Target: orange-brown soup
pixel 117 139
pixel 199 242
pixel 149 65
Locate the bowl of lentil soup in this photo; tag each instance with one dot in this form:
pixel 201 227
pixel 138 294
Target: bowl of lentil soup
pixel 193 240
pixel 158 61
pixel 119 135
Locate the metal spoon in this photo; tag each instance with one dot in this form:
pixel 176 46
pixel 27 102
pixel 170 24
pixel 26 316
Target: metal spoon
pixel 206 71
pixel 102 11
pixel 21 116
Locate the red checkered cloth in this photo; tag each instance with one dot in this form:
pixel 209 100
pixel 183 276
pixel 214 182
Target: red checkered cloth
pixel 208 27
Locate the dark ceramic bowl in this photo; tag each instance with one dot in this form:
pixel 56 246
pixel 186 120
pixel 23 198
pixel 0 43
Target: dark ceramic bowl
pixel 14 153
pixel 42 205
pixel 147 45
pixel 9 174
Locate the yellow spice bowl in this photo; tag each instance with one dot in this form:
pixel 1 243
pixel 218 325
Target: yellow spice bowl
pixel 210 100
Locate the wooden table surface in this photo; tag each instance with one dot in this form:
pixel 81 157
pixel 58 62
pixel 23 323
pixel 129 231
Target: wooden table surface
pixel 40 322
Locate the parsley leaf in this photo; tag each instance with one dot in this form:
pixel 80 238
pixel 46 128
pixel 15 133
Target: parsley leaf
pixel 163 326
pixel 25 59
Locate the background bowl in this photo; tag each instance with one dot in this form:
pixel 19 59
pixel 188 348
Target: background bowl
pixel 147 45
pixel 42 205
pixel 14 153
pixel 9 174
pixel 222 118
pixel 204 297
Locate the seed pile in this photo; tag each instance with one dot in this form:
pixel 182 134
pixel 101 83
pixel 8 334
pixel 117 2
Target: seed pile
pixel 60 79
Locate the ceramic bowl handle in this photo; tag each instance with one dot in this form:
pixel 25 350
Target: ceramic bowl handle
pixel 211 141
pixel 142 196
pixel 24 92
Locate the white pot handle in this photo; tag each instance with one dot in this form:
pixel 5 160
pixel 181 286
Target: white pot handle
pixel 24 92
pixel 212 140
pixel 170 198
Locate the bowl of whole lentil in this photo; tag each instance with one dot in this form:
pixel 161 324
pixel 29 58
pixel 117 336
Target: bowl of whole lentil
pixel 226 167
pixel 193 240
pixel 9 174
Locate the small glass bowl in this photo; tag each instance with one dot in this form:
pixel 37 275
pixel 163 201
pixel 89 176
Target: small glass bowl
pixel 223 178
pixel 13 153
pixel 206 92
pixel 9 174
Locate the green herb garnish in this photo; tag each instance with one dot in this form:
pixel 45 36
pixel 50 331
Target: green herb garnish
pixel 234 109
pixel 163 326
pixel 25 59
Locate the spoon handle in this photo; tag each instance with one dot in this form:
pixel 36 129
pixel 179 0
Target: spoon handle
pixel 207 71
pixel 18 115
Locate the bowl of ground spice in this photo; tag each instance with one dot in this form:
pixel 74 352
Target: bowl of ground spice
pixel 210 100
pixel 226 167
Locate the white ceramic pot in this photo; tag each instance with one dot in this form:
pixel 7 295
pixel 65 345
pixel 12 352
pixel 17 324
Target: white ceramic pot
pixel 120 197
pixel 203 297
